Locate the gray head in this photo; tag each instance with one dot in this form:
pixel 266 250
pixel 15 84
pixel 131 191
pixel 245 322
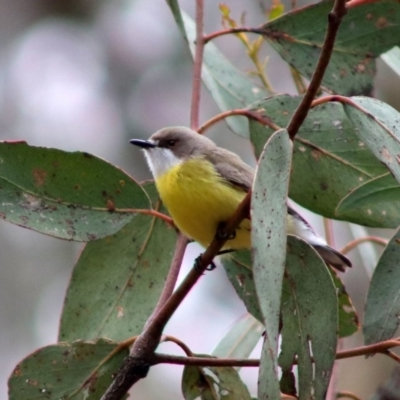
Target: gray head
pixel 170 146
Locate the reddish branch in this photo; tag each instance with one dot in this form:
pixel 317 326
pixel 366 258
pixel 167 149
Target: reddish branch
pixel 334 20
pixel 257 116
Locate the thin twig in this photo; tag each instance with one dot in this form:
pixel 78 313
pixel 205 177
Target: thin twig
pixel 230 31
pixel 152 213
pixel 354 243
pixel 183 346
pixel 334 19
pixel 262 119
pixel 350 395
pixel 328 232
pixel 392 355
pixel 172 277
pixel 198 63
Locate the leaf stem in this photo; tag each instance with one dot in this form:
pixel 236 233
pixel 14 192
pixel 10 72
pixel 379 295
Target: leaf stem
pixel 230 31
pixel 262 119
pixel 354 243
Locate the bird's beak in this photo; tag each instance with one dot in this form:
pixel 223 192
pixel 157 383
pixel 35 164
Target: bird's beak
pixel 144 144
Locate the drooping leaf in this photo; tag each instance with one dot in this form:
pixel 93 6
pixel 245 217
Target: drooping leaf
pixel 329 159
pixel 229 87
pixel 213 383
pixel 241 339
pixel 377 126
pixel 74 371
pixel 382 310
pixel 238 266
pixel 347 314
pixel 117 280
pixel 74 196
pixel 377 200
pixel 268 231
pixel 310 319
pixel 365 32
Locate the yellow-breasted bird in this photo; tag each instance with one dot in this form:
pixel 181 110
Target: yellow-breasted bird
pixel 202 185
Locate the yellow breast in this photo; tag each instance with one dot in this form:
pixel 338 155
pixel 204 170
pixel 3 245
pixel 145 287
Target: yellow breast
pixel 198 200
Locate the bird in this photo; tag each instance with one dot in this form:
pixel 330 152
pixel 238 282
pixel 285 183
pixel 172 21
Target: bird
pixel 202 184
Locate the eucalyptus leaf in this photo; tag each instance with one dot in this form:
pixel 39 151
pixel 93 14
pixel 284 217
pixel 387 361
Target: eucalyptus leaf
pixel 382 309
pixel 74 196
pixel 117 281
pixel 310 319
pixel 367 31
pixel 66 371
pixel 268 231
pixel 329 158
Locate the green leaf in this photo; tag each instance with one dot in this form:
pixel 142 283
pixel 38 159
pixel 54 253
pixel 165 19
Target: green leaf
pixel 377 200
pixel 241 339
pixel 377 126
pixel 228 86
pixel 73 371
pixel 238 267
pixel 348 318
pixel 176 12
pixel 268 231
pixel 74 196
pixel 310 319
pixel 382 309
pixel 365 32
pixel 213 383
pixel 329 160
pixel 117 280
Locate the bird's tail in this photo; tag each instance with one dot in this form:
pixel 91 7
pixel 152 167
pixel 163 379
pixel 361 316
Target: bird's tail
pixel 332 257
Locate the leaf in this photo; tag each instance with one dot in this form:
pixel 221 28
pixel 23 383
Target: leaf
pixel 228 86
pixel 310 319
pixel 239 271
pixel 377 200
pixel 268 231
pixel 212 383
pixel 377 127
pixel 329 159
pixel 117 280
pixel 347 314
pixel 238 267
pixel 176 12
pixel 73 371
pixel 365 32
pixel 241 339
pixel 74 196
pixel 382 309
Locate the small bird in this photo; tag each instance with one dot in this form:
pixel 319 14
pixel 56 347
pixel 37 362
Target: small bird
pixel 202 185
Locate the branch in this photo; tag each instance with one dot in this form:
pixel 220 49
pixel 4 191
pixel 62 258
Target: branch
pixel 334 19
pixel 198 62
pixel 354 243
pixel 257 116
pixel 152 213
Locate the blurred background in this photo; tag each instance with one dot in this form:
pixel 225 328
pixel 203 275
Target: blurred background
pixel 89 75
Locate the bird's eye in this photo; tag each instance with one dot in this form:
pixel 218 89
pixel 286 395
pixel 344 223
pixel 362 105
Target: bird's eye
pixel 171 143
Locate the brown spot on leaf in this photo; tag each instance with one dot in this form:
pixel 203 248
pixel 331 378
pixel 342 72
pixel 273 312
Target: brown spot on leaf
pixel 77 187
pixel 316 155
pixel 369 16
pixel 110 205
pixel 386 154
pixel 122 183
pixel 382 22
pixel 39 176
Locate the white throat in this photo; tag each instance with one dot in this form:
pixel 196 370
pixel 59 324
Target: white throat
pixel 160 160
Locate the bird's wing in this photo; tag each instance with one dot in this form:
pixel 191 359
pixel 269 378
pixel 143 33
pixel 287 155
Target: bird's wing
pixel 231 168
